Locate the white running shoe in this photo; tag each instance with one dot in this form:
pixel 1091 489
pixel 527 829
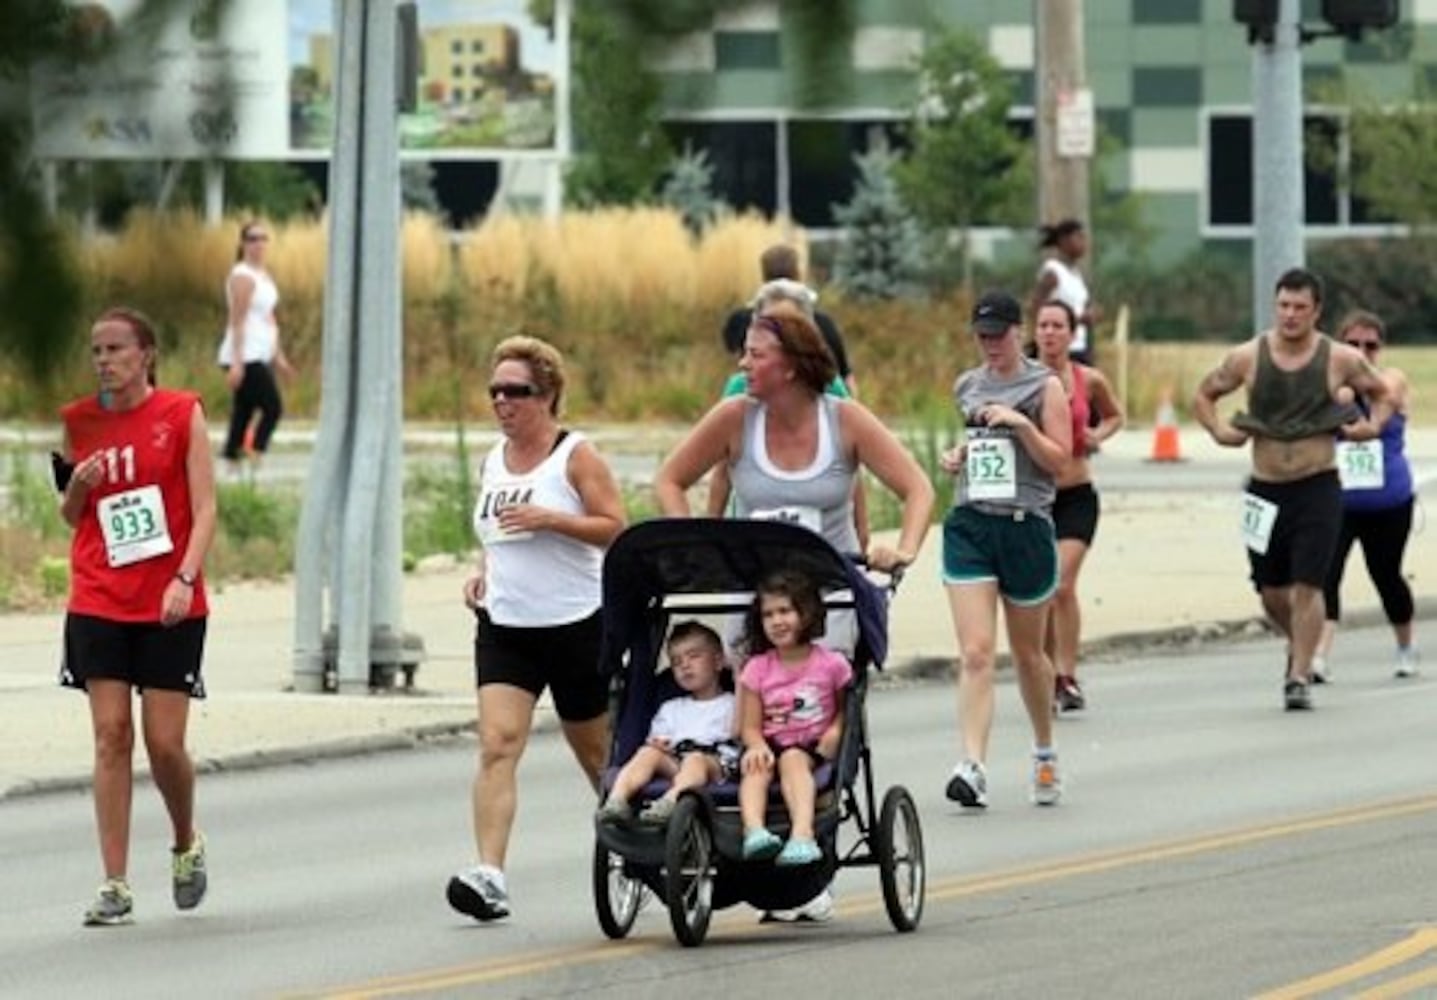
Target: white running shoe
pixel 968 785
pixel 477 893
pixel 1406 663
pixel 818 910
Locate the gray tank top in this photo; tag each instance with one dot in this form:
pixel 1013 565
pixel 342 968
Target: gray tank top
pixel 988 478
pixel 820 497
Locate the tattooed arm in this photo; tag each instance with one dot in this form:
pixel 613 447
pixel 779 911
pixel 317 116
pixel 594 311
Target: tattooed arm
pixel 1226 378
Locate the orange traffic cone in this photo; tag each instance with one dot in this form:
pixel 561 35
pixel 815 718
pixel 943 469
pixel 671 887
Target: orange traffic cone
pixel 1166 445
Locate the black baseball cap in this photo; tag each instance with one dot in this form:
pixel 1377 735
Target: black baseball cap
pixel 995 312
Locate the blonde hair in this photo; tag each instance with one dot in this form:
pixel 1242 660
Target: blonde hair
pixel 546 365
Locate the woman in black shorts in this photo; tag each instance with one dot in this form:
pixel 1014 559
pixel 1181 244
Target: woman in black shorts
pixel 548 506
pixel 1075 507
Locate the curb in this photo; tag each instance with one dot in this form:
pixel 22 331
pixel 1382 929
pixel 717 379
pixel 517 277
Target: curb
pixel 916 668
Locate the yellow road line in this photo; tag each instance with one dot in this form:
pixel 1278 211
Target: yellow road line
pixel 946 889
pixel 1378 961
pixel 1401 987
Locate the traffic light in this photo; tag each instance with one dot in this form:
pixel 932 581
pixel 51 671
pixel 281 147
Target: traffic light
pixel 1351 17
pixel 1260 16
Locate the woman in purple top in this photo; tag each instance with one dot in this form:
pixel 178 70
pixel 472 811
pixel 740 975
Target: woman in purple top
pixel 1377 499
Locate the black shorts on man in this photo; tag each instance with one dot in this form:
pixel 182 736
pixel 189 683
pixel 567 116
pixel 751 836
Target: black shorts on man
pixel 1304 536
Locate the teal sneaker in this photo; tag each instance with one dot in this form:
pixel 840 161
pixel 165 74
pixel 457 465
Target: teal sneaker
pixel 798 852
pixel 760 844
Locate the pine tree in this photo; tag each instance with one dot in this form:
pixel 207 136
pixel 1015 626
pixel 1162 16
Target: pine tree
pixel 882 249
pixel 689 190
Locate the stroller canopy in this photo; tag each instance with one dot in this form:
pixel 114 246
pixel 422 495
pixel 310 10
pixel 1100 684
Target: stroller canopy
pixel 707 556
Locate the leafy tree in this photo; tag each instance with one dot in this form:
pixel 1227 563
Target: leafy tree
pixel 965 165
pixel 41 294
pixel 621 150
pixel 689 190
pixel 882 249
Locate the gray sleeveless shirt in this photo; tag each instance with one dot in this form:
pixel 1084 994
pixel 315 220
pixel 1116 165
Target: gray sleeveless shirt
pixel 820 496
pixel 1033 489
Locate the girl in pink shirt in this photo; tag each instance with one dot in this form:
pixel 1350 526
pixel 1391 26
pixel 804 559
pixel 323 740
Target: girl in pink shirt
pixel 791 714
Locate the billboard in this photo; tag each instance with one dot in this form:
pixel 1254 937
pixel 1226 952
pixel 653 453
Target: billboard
pixel 253 79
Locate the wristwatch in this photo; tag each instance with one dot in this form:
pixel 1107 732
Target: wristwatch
pixel 188 579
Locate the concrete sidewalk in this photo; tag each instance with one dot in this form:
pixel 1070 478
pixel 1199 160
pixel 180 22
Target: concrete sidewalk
pixel 1167 566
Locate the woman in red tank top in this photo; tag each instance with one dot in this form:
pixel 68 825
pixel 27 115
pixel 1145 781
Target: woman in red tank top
pixel 1075 507
pixel 140 497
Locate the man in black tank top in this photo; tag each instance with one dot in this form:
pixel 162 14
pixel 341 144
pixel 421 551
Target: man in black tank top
pixel 1292 508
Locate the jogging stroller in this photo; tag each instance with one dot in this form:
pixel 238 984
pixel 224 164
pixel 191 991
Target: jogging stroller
pixel 682 567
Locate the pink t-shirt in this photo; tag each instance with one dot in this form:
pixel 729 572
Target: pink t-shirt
pixel 800 700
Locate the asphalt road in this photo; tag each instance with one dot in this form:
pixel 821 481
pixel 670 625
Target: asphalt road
pixel 1209 845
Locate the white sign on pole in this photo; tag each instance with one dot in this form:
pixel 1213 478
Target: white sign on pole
pixel 1077 129
pixel 253 79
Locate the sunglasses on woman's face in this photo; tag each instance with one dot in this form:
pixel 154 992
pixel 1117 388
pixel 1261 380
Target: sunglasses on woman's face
pixel 256 238
pixel 512 390
pixel 1364 345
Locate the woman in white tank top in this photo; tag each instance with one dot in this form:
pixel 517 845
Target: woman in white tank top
pixel 250 351
pixel 1059 278
pixel 548 507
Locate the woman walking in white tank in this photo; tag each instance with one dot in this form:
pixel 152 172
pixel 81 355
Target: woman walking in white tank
pixel 250 351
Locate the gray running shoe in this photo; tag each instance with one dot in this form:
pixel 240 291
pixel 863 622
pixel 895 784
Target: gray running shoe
pixel 114 905
pixel 968 785
pixel 1296 697
pixel 475 893
pixel 614 811
pixel 187 868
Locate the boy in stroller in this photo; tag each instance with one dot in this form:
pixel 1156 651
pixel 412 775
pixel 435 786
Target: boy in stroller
pixel 791 714
pixel 690 740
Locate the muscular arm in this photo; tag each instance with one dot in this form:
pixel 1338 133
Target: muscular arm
pixel 1226 378
pixel 1368 382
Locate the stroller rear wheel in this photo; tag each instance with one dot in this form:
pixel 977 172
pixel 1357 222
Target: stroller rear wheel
pixel 899 845
pixel 617 895
pixel 689 872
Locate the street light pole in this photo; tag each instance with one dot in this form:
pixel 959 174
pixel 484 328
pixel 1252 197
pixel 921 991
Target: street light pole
pixel 1277 179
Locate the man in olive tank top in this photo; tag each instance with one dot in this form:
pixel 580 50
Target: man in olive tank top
pixel 1292 507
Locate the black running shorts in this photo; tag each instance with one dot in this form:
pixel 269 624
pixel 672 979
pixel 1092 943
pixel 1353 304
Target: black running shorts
pixel 1304 536
pixel 142 654
pixel 563 658
pixel 1075 513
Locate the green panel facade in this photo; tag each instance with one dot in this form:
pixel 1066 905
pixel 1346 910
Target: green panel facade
pixel 1157 69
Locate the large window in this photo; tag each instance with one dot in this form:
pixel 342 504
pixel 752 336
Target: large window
pixel 822 171
pixel 1328 203
pixel 743 158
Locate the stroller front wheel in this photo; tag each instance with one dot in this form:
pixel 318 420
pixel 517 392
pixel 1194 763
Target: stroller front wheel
pixel 617 895
pixel 899 845
pixel 689 871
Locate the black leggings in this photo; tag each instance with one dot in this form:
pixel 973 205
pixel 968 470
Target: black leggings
pixel 1383 534
pixel 257 391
